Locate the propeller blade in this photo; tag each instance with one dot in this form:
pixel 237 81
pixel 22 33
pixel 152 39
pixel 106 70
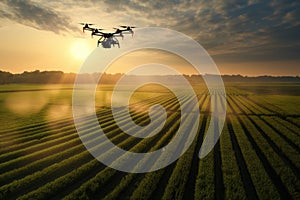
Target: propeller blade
pixel 128 26
pixel 82 23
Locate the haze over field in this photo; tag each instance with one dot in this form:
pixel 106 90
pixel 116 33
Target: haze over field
pixel 248 37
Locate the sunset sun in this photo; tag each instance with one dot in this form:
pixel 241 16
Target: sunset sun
pixel 80 50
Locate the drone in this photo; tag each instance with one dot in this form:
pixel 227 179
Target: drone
pixel 108 39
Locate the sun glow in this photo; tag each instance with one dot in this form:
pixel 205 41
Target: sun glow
pixel 80 49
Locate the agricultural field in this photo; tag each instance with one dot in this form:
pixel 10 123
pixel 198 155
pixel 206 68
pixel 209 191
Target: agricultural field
pixel 256 157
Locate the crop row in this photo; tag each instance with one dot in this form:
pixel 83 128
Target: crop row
pixel 90 185
pixel 254 157
pixel 280 130
pixel 264 187
pixel 65 164
pixel 27 179
pixel 271 160
pixel 60 135
pixel 145 189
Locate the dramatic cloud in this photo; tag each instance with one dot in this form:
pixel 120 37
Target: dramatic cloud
pixel 35 15
pixel 232 31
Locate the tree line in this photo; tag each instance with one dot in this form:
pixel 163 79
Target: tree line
pixel 51 77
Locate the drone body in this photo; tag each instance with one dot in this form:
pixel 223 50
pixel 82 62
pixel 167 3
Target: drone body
pixel 107 40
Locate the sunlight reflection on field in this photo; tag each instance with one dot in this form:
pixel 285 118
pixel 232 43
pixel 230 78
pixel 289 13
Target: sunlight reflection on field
pixel 24 103
pixel 57 112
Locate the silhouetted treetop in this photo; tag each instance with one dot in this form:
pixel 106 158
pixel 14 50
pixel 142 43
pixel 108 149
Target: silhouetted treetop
pixel 43 77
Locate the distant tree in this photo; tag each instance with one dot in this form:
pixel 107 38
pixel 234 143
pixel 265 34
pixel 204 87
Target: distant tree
pixel 44 77
pixel 5 77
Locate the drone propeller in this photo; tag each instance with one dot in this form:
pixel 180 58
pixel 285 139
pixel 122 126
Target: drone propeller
pixel 86 24
pixel 96 31
pixel 128 26
pixel 118 30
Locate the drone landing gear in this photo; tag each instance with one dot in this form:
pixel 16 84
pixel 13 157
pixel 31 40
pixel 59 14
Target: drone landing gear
pixel 100 41
pixel 116 41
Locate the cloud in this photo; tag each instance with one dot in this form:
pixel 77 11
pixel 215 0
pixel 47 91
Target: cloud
pixel 236 30
pixel 35 15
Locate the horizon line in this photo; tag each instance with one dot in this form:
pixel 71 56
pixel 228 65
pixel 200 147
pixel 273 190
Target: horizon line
pixel 246 76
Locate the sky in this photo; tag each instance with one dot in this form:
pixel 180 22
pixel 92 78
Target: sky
pixel 243 37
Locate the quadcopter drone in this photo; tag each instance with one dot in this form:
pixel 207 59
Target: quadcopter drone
pixel 108 39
